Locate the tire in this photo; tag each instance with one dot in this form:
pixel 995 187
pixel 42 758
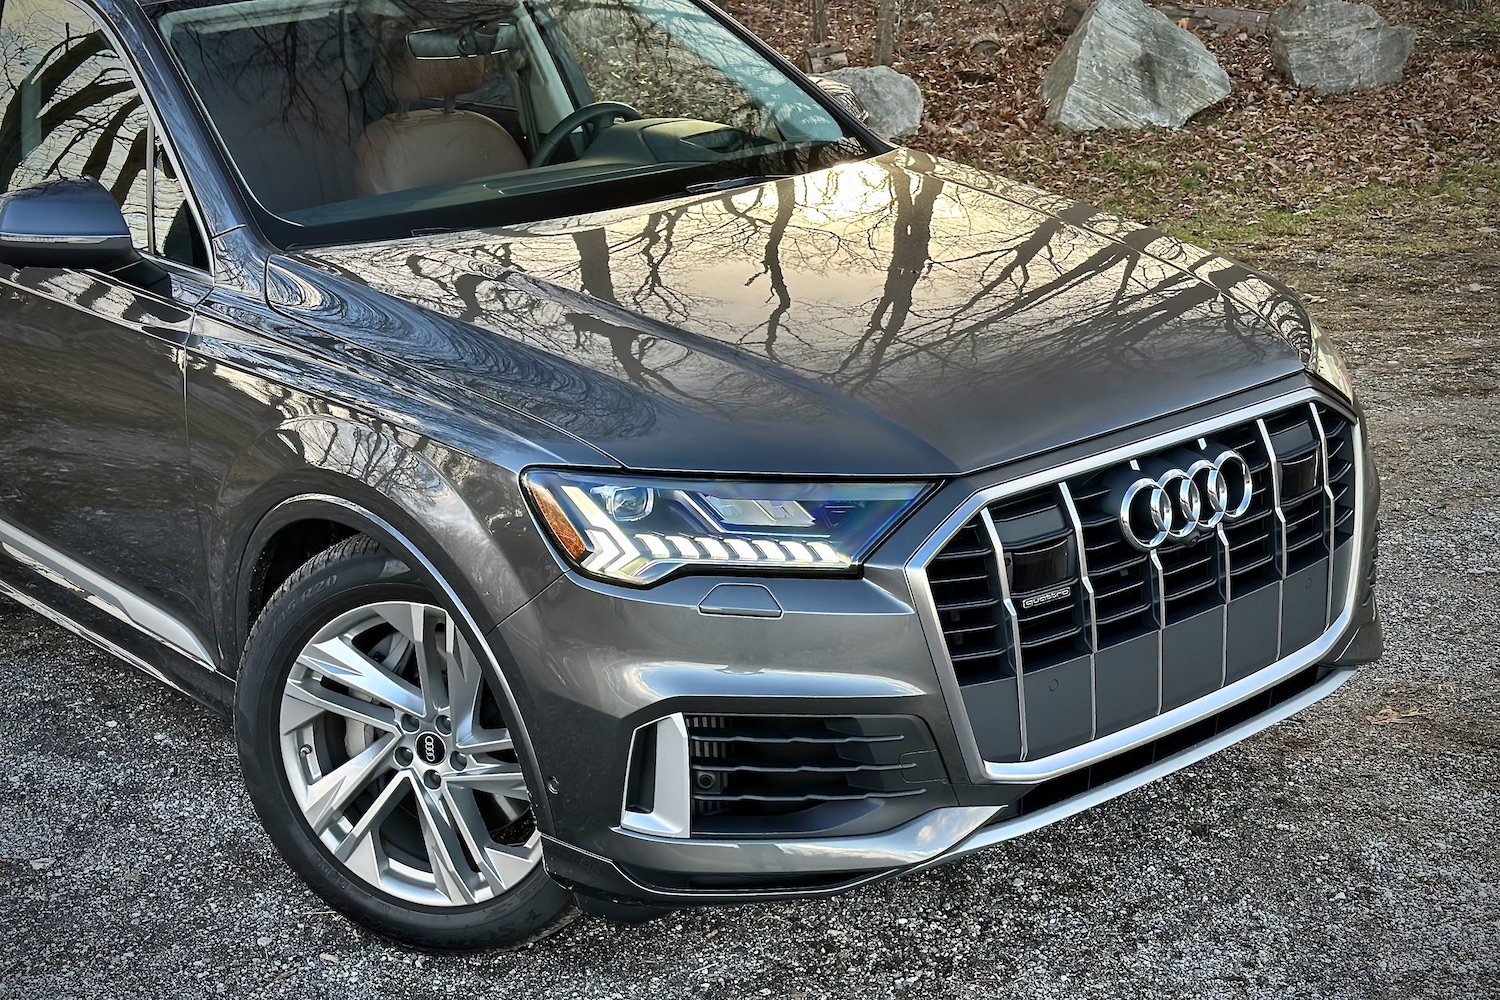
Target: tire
pixel 380 765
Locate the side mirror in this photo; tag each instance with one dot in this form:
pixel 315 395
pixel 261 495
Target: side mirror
pixel 844 96
pixel 68 223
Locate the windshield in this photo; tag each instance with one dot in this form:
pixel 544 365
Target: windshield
pixel 357 120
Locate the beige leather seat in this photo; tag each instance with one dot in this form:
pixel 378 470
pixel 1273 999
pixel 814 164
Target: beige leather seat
pixel 412 149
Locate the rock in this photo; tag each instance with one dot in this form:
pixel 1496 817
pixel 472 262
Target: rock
pixel 893 100
pixel 1068 17
pixel 986 46
pixel 1336 46
pixel 1127 66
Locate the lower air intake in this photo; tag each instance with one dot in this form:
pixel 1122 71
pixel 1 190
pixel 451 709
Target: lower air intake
pixel 779 775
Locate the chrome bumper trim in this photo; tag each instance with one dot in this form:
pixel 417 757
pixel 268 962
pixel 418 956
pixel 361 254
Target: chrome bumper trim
pixel 671 814
pixel 909 844
pixel 1095 751
pixel 936 838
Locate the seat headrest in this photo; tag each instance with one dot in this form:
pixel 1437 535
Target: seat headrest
pixel 414 80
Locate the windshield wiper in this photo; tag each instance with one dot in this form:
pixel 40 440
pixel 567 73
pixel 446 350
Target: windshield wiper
pixel 729 183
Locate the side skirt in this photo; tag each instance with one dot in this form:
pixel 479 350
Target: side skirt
pixel 196 680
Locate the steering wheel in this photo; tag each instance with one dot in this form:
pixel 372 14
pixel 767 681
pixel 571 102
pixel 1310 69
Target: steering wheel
pixel 603 111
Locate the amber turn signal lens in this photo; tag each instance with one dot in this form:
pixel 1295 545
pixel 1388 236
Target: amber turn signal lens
pixel 557 522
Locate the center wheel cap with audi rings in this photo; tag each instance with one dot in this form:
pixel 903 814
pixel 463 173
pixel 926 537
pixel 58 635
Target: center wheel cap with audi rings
pixel 1181 502
pixel 430 748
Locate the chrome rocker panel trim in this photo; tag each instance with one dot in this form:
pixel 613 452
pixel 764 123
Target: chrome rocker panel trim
pixel 67 572
pixel 1086 754
pixel 83 632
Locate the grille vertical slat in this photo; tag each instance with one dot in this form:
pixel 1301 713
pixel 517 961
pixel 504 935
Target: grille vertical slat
pixel 1041 559
pixel 1010 628
pixel 1091 609
pixel 1339 434
pixel 1252 552
pixel 965 588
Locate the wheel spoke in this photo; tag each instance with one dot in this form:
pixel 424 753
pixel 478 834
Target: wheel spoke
pixel 361 849
pixel 467 684
pixel 506 865
pixel 339 661
pixel 444 848
pixel 306 699
pixel 329 795
pixel 408 619
pixel 464 677
pixel 478 741
pixel 504 781
pixel 435 663
pixel 503 865
pixel 434 648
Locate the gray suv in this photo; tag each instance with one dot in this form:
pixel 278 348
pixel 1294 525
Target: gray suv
pixel 589 466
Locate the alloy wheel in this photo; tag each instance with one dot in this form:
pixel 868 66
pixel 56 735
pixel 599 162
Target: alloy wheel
pixel 397 754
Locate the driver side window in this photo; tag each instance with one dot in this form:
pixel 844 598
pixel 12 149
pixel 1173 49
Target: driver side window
pixel 69 108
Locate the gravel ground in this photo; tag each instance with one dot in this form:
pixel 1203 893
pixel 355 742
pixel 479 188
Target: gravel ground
pixel 1350 852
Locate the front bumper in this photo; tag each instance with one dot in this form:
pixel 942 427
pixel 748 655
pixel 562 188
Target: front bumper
pixel 599 669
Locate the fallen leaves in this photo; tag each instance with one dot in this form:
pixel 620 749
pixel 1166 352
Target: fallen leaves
pixel 1393 716
pixel 980 65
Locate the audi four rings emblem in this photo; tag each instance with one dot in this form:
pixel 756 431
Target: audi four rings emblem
pixel 430 748
pixel 1179 504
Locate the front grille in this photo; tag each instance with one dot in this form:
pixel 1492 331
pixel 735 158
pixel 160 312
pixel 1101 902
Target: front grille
pixel 1059 629
pixel 778 775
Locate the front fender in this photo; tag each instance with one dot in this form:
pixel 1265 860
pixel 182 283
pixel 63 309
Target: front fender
pixel 461 513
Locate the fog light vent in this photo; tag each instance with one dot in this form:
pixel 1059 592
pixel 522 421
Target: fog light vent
pixel 656 783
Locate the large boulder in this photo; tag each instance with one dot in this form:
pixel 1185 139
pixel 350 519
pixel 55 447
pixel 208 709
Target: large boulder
pixel 1127 66
pixel 893 100
pixel 1336 46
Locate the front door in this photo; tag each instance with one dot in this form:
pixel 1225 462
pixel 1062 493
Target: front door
pixel 94 479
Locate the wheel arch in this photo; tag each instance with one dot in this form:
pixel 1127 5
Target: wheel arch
pixel 320 477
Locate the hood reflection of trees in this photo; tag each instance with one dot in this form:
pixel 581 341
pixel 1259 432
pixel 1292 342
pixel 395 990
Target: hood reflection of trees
pixel 958 299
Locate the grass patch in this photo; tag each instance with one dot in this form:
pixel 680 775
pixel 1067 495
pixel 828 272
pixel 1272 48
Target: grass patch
pixel 1448 216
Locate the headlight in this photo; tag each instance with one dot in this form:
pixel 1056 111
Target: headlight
pixel 638 530
pixel 1328 366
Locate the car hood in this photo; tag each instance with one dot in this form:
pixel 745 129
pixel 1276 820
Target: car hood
pixel 900 316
